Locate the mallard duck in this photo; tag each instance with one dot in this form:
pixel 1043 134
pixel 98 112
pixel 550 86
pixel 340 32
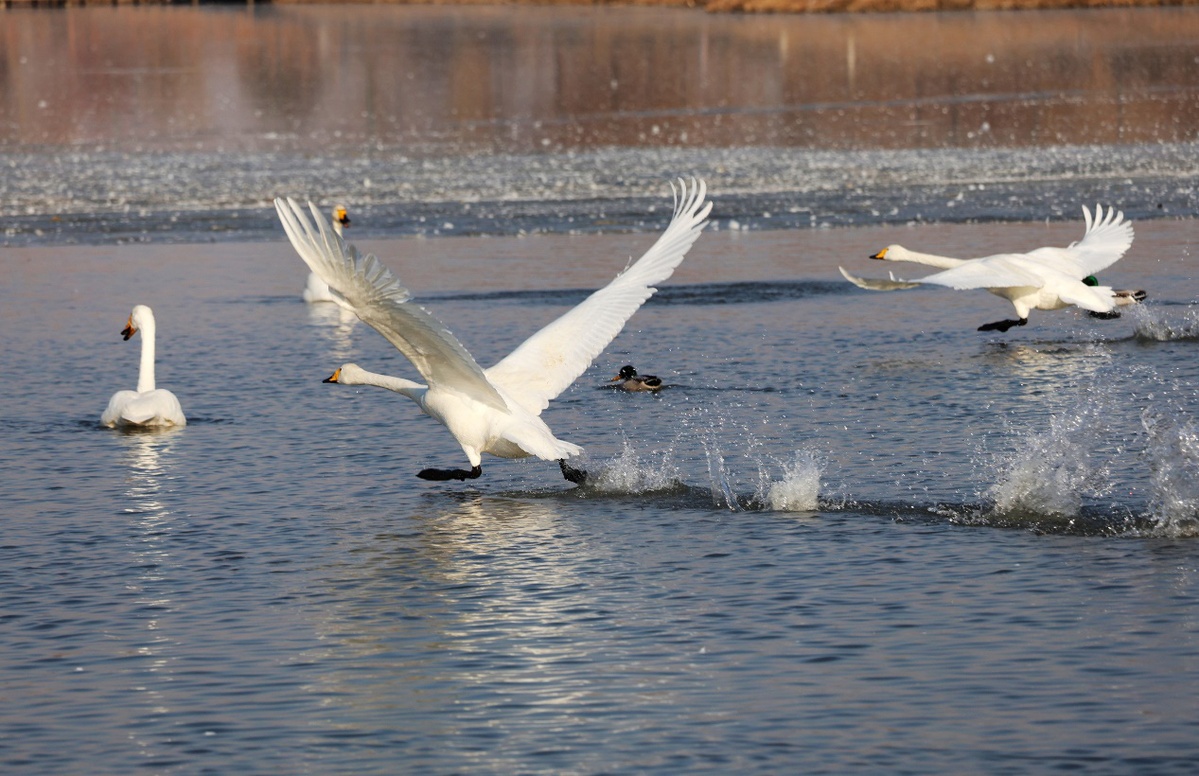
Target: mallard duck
pixel 629 380
pixel 1043 279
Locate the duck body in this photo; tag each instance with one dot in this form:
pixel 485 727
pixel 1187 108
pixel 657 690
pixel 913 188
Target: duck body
pixel 1043 279
pixel 148 406
pixel 628 380
pixel 497 410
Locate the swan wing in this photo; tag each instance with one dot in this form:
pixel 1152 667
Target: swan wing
pixel 362 284
pixel 548 362
pixel 878 284
pixel 1108 236
pixel 1002 271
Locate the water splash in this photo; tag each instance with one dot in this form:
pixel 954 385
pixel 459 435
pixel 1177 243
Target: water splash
pixel 1173 453
pixel 628 473
pixel 1156 323
pixel 799 489
pixel 1051 471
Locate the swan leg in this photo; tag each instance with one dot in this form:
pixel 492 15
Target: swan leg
pixel 1111 315
pixel 577 476
pixel 450 474
pixel 1002 325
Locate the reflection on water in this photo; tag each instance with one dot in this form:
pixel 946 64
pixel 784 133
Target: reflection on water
pixel 535 79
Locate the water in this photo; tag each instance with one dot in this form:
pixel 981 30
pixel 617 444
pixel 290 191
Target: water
pixel 853 534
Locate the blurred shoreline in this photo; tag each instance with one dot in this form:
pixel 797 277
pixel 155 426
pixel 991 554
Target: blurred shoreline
pixel 715 6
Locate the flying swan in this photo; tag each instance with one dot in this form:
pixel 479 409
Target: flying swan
pixel 493 410
pixel 1043 279
pixel 317 290
pixel 147 406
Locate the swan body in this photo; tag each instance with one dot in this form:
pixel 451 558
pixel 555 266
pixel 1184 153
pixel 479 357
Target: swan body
pixel 148 406
pixel 1043 279
pixel 495 410
pixel 317 290
pixel 628 380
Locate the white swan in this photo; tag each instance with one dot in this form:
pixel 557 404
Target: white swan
pixel 495 410
pixel 1043 279
pixel 317 290
pixel 147 406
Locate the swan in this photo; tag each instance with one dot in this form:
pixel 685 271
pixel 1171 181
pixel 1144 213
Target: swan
pixel 147 406
pixel 628 380
pixel 317 290
pixel 495 410
pixel 1043 279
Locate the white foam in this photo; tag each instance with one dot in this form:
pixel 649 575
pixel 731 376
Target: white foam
pixel 1173 454
pixel 799 489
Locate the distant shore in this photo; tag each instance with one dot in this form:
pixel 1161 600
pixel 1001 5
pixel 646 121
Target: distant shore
pixel 716 6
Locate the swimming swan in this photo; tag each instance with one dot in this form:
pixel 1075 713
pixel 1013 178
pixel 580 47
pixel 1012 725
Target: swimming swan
pixel 493 410
pixel 628 380
pixel 1043 279
pixel 147 406
pixel 317 290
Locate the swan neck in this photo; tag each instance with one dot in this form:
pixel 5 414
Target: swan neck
pixel 929 259
pixel 145 371
pixel 408 388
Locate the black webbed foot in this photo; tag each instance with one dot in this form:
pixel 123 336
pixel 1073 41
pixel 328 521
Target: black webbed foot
pixel 1110 315
pixel 1002 325
pixel 577 476
pixel 450 474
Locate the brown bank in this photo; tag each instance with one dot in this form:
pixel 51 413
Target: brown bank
pixel 808 6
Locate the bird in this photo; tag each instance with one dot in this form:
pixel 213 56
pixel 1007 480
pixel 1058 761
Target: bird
pixel 148 406
pixel 629 380
pixel 1042 279
pixel 495 410
pixel 317 290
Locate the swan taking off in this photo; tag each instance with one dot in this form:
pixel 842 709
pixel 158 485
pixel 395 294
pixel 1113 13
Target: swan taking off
pixel 1043 279
pixel 317 290
pixel 493 410
pixel 147 406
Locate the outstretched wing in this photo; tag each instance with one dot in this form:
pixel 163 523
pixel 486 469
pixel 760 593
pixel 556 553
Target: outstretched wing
pixel 549 361
pixel 878 284
pixel 1107 238
pixel 368 288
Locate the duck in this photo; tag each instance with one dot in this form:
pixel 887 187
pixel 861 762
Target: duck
pixel 495 410
pixel 629 380
pixel 148 406
pixel 317 290
pixel 1043 279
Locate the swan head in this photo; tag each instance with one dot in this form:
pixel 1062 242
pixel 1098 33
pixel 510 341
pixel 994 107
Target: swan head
pixel 627 372
pixel 341 215
pixel 347 374
pixel 140 318
pixel 890 253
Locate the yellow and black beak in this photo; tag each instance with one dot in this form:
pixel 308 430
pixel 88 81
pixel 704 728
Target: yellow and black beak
pixel 341 216
pixel 880 255
pixel 333 377
pixel 129 329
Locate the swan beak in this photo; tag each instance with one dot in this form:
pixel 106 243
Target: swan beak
pixel 880 255
pixel 129 329
pixel 333 377
pixel 341 216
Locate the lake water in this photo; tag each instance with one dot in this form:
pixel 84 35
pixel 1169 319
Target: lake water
pixel 853 535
